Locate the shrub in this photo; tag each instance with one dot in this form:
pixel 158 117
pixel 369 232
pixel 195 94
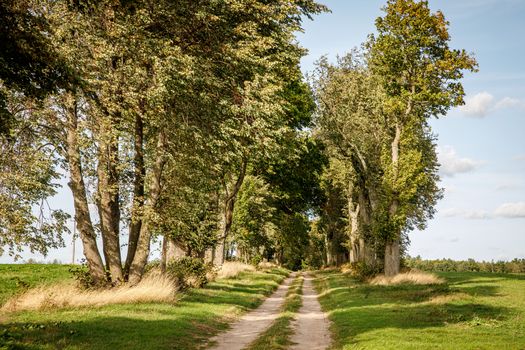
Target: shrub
pixel 82 276
pixel 360 270
pixel 189 272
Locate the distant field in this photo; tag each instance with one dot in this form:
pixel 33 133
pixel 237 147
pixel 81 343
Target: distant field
pixel 471 311
pixel 16 277
pixel 185 324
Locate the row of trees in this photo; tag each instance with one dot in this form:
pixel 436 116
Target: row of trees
pixel 175 105
pixel 470 265
pixel 374 107
pixel 191 123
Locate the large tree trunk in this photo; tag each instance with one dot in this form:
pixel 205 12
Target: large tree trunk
pixel 366 250
pixel 171 250
pixel 78 188
pixel 143 247
pixel 227 215
pixel 329 255
pixel 392 256
pixel 138 193
pixel 353 213
pixel 108 201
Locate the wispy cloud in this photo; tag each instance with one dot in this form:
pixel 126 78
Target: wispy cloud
pixel 520 157
pixel 483 103
pixel 506 210
pixel 466 214
pixel 452 163
pixel 511 210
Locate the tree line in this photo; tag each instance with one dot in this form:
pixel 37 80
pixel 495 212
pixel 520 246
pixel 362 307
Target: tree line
pixel 191 123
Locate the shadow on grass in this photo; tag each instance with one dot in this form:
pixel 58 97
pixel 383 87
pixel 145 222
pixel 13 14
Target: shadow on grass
pixel 106 333
pixel 187 324
pixel 357 308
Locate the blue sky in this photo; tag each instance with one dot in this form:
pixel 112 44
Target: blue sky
pixel 482 144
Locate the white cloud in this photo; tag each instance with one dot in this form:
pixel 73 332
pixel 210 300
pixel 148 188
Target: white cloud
pixel 483 103
pixel 466 214
pixel 511 210
pixel 508 102
pixel 452 164
pixel 478 105
pixel 506 210
pixel 520 157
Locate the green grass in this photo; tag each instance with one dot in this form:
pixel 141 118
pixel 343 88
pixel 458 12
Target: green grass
pixel 471 311
pixel 277 337
pixel 186 324
pixel 15 278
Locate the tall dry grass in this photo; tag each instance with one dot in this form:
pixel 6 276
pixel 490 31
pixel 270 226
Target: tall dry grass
pixel 411 277
pixel 153 288
pixel 233 268
pixel 266 265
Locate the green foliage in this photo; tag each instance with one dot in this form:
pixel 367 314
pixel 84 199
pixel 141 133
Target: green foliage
pixel 189 272
pixel 28 176
pixel 361 271
pixel 252 227
pixel 29 64
pixel 470 265
pixel 82 275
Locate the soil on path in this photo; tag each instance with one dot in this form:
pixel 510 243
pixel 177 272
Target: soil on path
pixel 311 324
pixel 251 325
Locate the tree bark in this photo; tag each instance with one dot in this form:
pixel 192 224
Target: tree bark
pixel 138 193
pixel 353 213
pixel 143 247
pixel 227 215
pixel 108 202
pixel 78 188
pixel 392 258
pixel 366 251
pixel 171 250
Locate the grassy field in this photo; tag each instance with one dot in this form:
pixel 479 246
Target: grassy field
pixel 186 324
pixel 15 278
pixel 470 311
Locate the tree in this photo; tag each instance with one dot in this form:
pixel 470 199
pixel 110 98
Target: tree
pixel 420 75
pixel 28 176
pixel 28 62
pixel 350 122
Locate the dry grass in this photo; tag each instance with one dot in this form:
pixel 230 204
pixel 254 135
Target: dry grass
pixel 411 277
pixel 266 265
pixel 153 288
pixel 233 268
pixel 347 268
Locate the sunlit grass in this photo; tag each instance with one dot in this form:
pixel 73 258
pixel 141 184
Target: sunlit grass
pixel 186 323
pixel 468 311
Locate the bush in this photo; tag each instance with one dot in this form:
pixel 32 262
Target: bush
pixel 360 270
pixel 189 272
pixel 82 276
